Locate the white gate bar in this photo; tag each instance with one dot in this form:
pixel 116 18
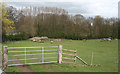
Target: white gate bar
pixel 34 50
pixel 50 46
pixel 51 62
pixel 30 59
pixel 22 59
pixel 30 47
pixel 43 62
pixel 32 63
pixel 15 64
pixel 32 54
pixel 50 53
pixel 50 57
pixel 52 50
pixel 22 47
pixel 16 51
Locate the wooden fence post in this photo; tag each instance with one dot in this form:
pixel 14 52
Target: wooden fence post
pixel 5 57
pixel 92 59
pixel 60 54
pixel 75 56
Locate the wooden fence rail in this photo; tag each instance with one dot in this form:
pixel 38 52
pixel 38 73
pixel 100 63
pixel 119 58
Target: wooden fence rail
pixel 69 50
pixel 73 55
pixel 69 54
pixel 67 58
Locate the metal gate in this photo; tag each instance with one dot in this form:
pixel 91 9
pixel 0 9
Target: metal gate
pixel 32 55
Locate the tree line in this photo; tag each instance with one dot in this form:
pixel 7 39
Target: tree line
pixel 57 23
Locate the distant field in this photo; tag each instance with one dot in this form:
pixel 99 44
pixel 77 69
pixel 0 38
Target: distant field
pixel 105 54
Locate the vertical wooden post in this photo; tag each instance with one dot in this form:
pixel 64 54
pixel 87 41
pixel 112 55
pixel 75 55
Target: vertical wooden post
pixel 5 57
pixel 0 58
pixel 92 58
pixel 60 54
pixel 75 56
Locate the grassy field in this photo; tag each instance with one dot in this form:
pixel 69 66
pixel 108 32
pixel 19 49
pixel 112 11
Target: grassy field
pixel 105 54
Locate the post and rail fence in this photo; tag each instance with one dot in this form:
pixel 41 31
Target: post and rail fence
pixel 59 51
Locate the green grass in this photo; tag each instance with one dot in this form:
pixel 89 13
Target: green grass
pixel 105 54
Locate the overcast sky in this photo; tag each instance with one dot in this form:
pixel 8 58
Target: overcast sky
pixel 119 10
pixel 104 8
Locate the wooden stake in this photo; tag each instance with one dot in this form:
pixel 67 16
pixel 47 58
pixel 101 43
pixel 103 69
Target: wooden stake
pixel 75 56
pixel 92 59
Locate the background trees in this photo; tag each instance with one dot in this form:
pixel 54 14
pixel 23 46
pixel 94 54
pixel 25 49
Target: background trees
pixel 57 23
pixel 7 24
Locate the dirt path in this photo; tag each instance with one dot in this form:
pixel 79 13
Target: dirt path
pixel 46 66
pixel 24 68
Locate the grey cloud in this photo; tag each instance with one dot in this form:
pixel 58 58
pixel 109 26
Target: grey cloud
pixel 69 6
pixel 105 8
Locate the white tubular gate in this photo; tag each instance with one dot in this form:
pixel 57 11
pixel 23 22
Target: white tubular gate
pixel 24 53
pixel 42 55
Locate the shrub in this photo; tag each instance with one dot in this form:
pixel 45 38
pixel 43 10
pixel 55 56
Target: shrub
pixel 16 37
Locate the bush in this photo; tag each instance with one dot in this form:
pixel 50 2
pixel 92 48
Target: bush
pixel 16 37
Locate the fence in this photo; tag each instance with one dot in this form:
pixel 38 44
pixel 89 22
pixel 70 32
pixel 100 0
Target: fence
pixel 71 56
pixel 24 52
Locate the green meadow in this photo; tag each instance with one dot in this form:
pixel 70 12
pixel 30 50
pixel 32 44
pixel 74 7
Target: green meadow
pixel 104 53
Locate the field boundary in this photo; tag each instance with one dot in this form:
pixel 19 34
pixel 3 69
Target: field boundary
pixel 58 51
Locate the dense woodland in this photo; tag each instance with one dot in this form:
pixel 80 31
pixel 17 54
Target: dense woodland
pixel 55 23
